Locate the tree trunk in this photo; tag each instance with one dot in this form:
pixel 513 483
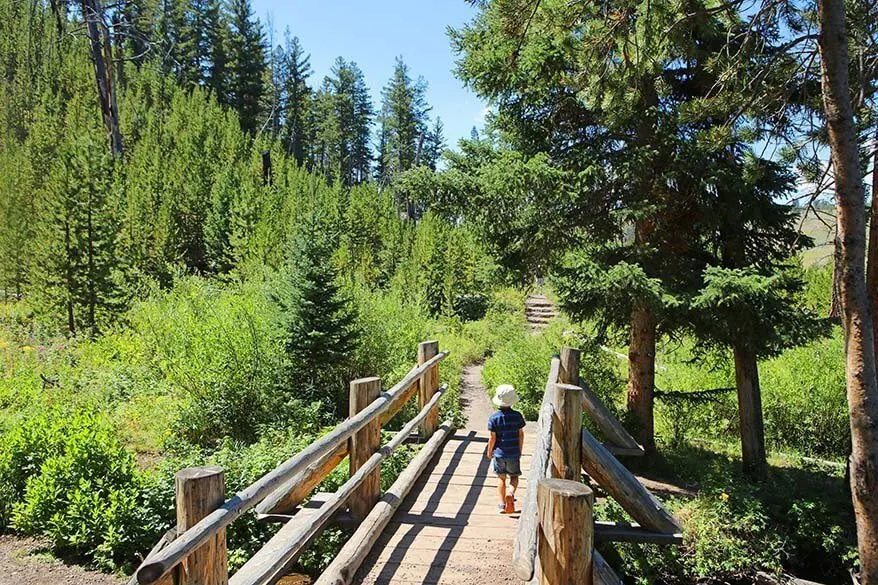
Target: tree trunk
pixel 641 373
pixel 872 260
pixel 101 56
pixel 862 387
pixel 835 303
pixel 750 410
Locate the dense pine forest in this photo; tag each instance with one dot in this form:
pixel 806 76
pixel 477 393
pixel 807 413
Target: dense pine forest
pixel 202 243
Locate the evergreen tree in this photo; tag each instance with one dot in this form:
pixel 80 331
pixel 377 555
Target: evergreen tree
pixel 247 65
pixel 76 235
pixel 137 23
pixel 216 36
pixel 321 330
pixel 343 116
pixel 296 96
pixel 434 144
pixel 179 35
pixel 599 110
pixel 404 122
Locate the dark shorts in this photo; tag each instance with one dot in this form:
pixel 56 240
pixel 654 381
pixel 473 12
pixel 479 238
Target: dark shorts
pixel 507 466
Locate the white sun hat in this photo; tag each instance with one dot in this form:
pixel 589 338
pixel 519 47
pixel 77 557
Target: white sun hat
pixel 505 395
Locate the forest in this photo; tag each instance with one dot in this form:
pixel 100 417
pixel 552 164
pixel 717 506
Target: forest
pixel 201 244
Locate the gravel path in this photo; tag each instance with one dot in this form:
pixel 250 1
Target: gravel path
pixel 25 561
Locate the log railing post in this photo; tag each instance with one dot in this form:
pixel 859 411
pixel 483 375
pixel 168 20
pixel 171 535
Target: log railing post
pixel 566 535
pixel 363 445
pixel 200 491
pixel 567 428
pixel 427 386
pixel 569 371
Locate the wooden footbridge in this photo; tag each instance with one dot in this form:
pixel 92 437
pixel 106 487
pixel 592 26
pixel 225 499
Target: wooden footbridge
pixel 438 522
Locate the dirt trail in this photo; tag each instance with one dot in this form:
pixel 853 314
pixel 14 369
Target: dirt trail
pixel 23 561
pixel 474 399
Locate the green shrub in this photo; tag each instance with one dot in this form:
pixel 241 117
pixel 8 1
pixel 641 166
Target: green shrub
pixel 796 520
pixel 67 477
pixel 804 401
pixel 803 398
pixel 221 350
pixel 525 359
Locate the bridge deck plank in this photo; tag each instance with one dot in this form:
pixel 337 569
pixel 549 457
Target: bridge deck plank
pixel 448 529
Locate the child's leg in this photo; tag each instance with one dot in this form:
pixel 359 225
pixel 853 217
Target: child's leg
pixel 513 481
pixel 501 488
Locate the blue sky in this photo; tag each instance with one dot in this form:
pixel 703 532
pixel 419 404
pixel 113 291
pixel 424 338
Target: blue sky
pixel 373 33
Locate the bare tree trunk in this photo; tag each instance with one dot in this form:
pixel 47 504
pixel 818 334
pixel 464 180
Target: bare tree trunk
pixel 862 386
pixel 641 372
pixel 750 410
pixel 101 56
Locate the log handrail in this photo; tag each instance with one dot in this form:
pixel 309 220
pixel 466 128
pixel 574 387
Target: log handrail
pixel 286 545
pixel 524 548
pixel 186 543
pixel 343 568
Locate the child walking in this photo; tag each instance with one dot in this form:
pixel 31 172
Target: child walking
pixel 505 445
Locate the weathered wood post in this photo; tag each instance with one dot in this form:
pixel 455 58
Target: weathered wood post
pixel 363 445
pixel 569 371
pixel 200 491
pixel 567 428
pixel 566 535
pixel 427 386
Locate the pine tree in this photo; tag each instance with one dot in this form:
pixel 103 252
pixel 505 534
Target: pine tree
pixel 247 65
pixel 296 99
pixel 404 121
pixel 322 322
pixel 594 107
pixel 76 232
pixel 342 122
pixel 434 144
pixel 216 36
pixel 179 35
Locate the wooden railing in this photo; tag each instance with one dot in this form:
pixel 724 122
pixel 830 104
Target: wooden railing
pixel 556 533
pixel 195 553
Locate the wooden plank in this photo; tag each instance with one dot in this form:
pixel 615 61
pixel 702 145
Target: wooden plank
pixel 166 559
pixel 348 560
pixel 624 487
pixel 625 532
pixel 524 551
pixel 284 548
pixel 285 499
pixel 566 535
pixel 362 445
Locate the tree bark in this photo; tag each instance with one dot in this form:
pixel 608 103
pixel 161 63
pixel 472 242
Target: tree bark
pixel 750 410
pixel 862 387
pixel 872 260
pixel 641 373
pixel 101 56
pixel 835 303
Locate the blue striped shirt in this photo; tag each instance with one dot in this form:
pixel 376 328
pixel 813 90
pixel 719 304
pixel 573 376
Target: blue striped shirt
pixel 506 423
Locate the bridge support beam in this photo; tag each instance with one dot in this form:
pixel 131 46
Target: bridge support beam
pixel 566 536
pixel 363 445
pixel 427 386
pixel 200 491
